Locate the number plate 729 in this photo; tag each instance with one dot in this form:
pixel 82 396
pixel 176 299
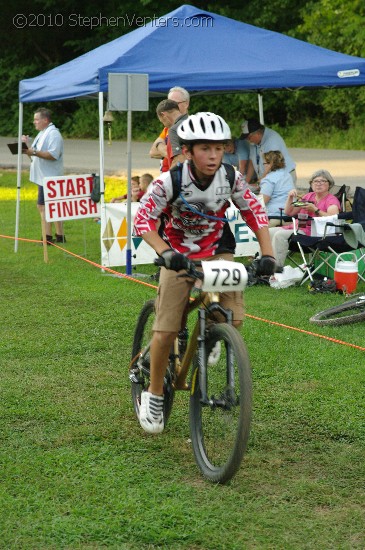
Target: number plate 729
pixel 224 276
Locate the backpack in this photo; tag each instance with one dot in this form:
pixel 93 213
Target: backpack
pixel 176 173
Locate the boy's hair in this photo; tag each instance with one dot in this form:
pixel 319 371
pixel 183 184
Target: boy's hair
pixel 146 177
pixel 190 146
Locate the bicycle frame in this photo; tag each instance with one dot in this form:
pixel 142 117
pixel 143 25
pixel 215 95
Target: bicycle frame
pixel 209 303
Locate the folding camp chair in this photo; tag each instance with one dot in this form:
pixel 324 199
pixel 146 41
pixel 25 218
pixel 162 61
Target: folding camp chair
pixel 319 254
pixel 342 193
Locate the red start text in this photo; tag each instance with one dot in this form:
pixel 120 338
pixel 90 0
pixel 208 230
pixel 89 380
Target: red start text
pixel 75 186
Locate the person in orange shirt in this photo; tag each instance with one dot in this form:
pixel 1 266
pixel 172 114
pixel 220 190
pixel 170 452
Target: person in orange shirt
pixel 159 150
pixel 159 146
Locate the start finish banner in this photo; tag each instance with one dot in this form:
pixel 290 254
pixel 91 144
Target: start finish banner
pixel 114 232
pixel 68 198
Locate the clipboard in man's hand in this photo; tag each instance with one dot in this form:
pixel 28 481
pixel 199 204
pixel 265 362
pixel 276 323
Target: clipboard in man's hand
pixel 14 147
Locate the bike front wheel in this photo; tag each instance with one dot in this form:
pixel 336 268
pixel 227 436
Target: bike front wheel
pixel 139 373
pixel 220 428
pixel 352 311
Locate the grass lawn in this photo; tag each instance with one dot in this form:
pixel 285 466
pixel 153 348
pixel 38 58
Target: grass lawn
pixel 76 470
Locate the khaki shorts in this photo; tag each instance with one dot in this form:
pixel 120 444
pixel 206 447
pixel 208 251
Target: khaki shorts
pixel 173 295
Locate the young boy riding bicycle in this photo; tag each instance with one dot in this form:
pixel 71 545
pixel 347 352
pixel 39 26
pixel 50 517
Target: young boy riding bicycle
pixel 195 228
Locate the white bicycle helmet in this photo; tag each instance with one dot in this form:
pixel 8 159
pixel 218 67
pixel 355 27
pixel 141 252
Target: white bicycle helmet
pixel 204 127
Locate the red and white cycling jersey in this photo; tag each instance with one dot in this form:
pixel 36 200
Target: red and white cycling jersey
pixel 189 231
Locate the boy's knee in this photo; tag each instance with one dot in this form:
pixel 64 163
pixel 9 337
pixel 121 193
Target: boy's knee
pixel 165 338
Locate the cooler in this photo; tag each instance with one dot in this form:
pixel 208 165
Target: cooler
pixel 329 261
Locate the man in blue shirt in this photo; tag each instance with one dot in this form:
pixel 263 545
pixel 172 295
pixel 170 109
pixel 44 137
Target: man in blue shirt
pixel 46 155
pixel 262 140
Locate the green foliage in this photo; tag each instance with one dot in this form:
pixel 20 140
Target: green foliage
pixel 335 25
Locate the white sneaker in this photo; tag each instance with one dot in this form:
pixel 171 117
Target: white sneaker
pixel 151 413
pixel 214 355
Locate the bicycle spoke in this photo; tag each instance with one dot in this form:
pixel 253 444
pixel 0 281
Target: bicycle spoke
pixel 220 427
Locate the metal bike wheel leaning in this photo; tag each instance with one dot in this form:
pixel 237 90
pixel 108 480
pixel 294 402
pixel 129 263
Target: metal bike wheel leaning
pixel 219 431
pixel 139 373
pixel 352 311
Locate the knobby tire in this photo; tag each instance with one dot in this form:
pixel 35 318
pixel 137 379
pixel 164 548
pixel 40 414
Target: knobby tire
pixel 220 434
pixel 352 311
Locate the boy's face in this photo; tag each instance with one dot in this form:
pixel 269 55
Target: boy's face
pixel 207 157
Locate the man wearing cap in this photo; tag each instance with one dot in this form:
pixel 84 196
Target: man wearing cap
pixel 262 140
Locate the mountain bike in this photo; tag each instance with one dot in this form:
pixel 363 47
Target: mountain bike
pixel 351 311
pixel 220 394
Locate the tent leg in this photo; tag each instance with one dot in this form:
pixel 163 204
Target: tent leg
pixel 18 176
pixel 44 238
pixel 101 167
pixel 261 108
pixel 129 175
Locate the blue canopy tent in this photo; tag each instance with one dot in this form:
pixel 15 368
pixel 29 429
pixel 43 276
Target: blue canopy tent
pixel 188 47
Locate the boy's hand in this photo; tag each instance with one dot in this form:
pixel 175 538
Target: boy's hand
pixel 266 266
pixel 174 260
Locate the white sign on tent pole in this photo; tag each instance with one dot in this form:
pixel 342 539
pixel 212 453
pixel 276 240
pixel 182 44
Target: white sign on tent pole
pixel 128 92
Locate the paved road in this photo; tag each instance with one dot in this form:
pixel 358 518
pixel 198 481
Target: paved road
pixel 82 156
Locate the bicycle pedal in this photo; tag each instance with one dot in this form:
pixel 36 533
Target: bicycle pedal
pixel 133 378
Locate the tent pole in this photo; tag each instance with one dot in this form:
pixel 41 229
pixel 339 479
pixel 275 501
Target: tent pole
pixel 101 146
pixel 101 162
pixel 129 175
pixel 18 176
pixel 261 108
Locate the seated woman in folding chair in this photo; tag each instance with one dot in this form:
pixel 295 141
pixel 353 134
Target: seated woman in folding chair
pixel 318 202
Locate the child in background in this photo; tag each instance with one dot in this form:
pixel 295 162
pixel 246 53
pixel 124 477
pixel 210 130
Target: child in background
pixel 135 190
pixel 144 182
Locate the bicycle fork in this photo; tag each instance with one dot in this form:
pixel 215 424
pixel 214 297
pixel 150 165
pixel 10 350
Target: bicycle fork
pixel 202 358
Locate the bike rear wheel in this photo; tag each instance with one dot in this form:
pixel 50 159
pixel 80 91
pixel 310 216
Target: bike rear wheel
pixel 352 311
pixel 139 373
pixel 220 429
